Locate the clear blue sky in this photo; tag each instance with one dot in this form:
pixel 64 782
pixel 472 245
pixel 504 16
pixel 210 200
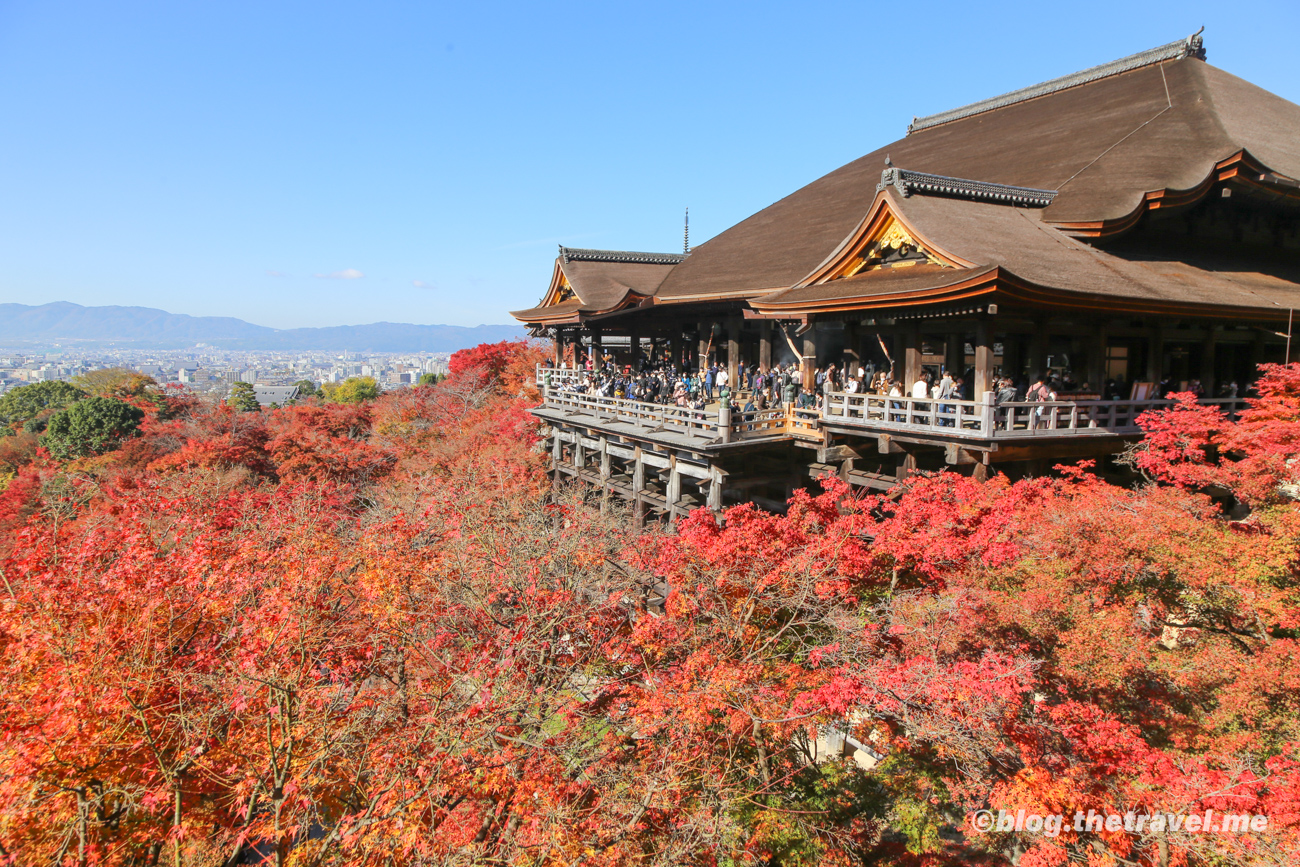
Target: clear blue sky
pixel 215 158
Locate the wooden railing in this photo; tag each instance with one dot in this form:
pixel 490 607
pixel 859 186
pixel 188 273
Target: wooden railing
pixel 984 420
pixel 963 419
pixel 671 419
pixel 1084 417
pixel 721 425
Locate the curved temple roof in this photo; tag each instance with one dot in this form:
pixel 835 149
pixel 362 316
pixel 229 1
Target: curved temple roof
pixel 599 281
pixel 1083 155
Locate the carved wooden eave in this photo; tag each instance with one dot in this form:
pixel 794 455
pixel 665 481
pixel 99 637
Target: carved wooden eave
pixel 1240 168
pixel 979 282
pixel 884 238
pixel 560 289
pixel 997 284
pixel 630 301
pixel 734 295
pixel 1016 289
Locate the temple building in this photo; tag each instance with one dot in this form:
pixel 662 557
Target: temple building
pixel 1127 228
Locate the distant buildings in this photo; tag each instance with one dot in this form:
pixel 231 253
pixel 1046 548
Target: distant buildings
pixel 205 370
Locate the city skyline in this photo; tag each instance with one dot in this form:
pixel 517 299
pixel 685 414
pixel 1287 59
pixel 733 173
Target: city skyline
pixel 303 166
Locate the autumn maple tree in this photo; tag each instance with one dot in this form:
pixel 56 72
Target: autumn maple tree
pixel 376 633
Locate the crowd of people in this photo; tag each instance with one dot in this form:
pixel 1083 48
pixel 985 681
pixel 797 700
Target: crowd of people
pixel 660 382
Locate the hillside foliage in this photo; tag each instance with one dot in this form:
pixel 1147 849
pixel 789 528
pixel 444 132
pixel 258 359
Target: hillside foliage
pixel 374 633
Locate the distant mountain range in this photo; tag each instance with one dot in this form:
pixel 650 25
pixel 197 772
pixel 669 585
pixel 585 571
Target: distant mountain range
pixel 146 328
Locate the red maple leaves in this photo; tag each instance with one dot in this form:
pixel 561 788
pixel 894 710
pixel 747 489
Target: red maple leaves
pixel 374 634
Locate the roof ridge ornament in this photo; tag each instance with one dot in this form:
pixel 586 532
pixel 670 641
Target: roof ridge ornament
pixel 908 182
pixel 1192 46
pixel 575 254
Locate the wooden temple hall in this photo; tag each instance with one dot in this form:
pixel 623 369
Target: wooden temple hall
pixel 1128 227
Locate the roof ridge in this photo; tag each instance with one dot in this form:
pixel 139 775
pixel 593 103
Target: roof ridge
pixel 908 182
pixel 576 254
pixel 1192 46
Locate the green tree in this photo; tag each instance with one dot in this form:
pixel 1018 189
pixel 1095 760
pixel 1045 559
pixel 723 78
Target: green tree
pixel 307 388
pixel 354 389
pixel 90 426
pixel 243 397
pixel 429 379
pixel 28 401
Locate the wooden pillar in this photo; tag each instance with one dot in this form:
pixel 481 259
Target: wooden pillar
pixel 557 453
pixel 604 474
pixel 705 350
pixel 1256 359
pixel 983 359
pixel 634 348
pixel 579 458
pixel 715 488
pixel 733 352
pixel 1155 354
pixel 597 349
pixel 954 353
pixel 852 346
pixel 808 364
pixel 765 344
pixel 678 347
pixel 674 489
pixel 1207 360
pixel 638 486
pixel 557 354
pixel 911 355
pixel 1097 358
pixel 1013 360
pixel 1039 349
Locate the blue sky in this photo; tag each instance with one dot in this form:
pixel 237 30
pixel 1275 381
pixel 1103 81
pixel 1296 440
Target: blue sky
pixel 324 163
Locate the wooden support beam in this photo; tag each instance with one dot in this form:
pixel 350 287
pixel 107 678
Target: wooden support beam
pixel 1207 361
pixel 1040 346
pixel 835 454
pixel 874 481
pixel 1155 353
pixel 715 488
pixel 954 353
pixel 808 365
pixel 604 473
pixel 733 352
pixel 953 454
pixel 557 452
pixel 983 358
pixel 638 486
pixel 911 356
pixel 1013 358
pixel 674 490
pixel 1056 450
pixel 765 344
pixel 1097 357
pixel 885 445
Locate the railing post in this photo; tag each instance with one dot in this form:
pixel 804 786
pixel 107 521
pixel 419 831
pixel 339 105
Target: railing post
pixel 724 420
